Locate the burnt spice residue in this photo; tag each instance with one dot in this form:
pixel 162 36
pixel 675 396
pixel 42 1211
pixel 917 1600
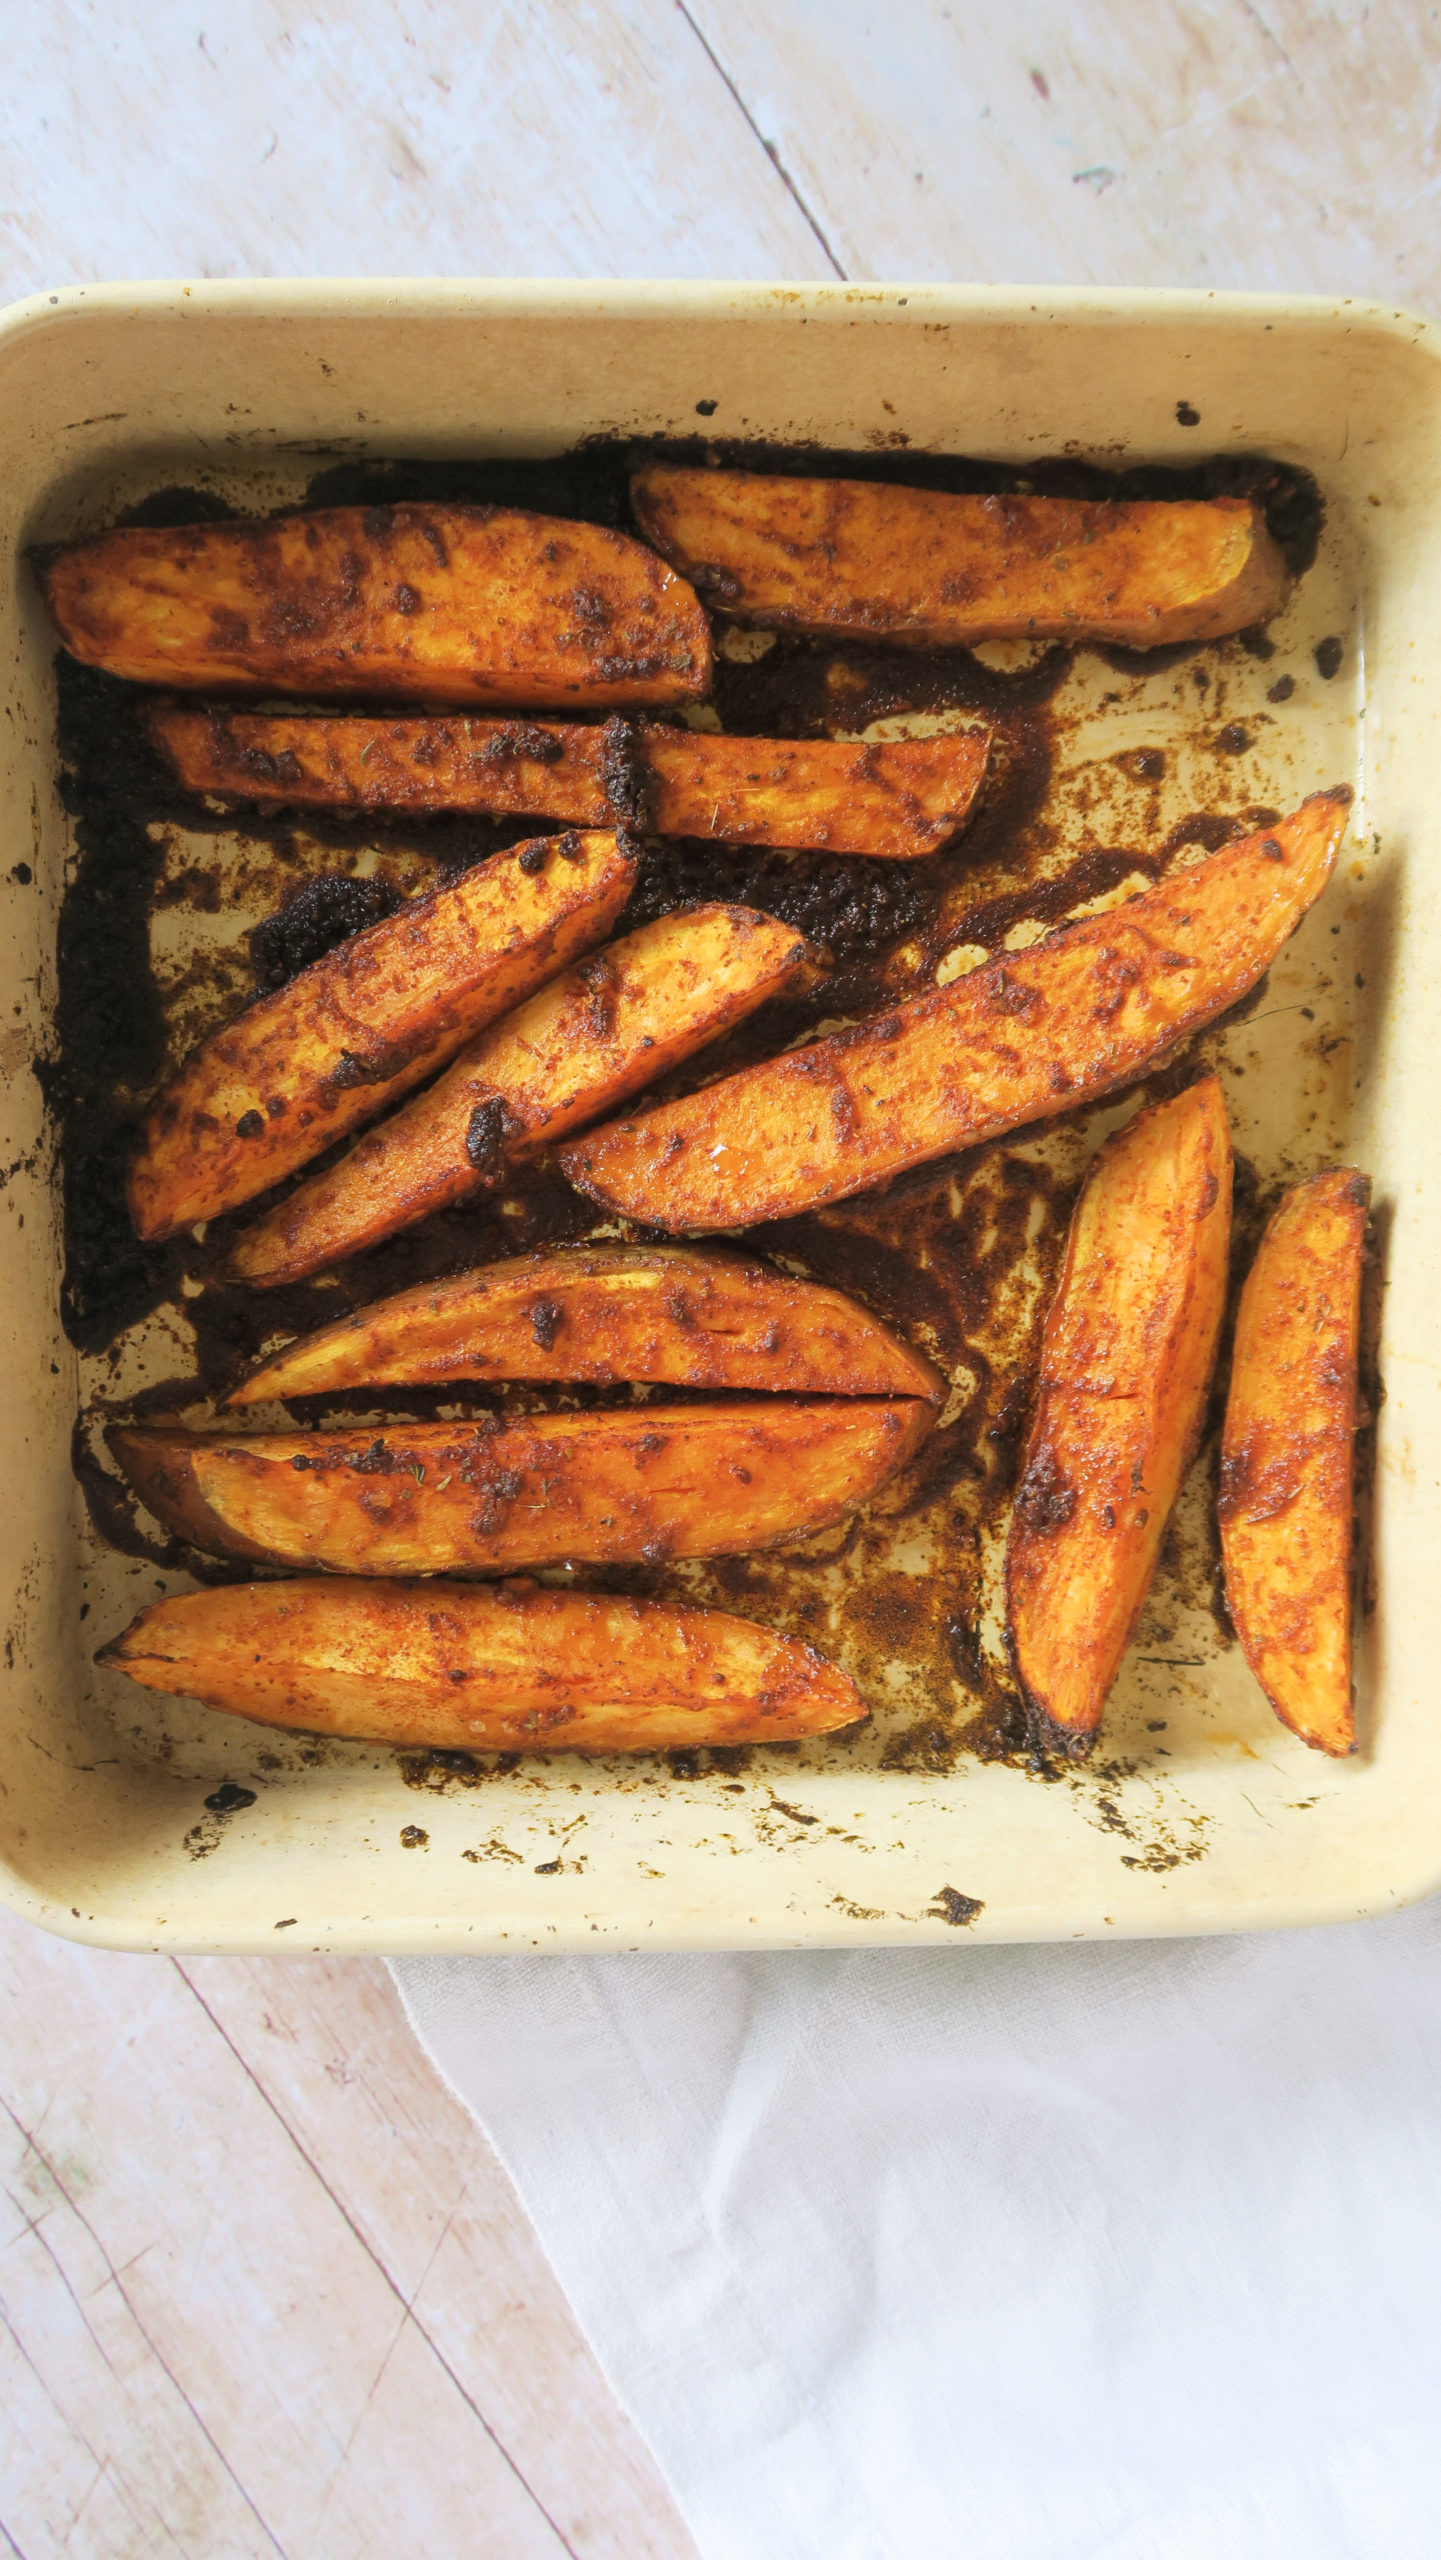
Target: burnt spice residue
pixel 324 912
pixel 110 1036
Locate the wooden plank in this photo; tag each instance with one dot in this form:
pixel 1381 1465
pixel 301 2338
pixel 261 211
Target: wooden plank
pixel 96 2427
pixel 244 2336
pixel 326 2041
pixel 382 140
pixel 57 2487
pixel 1277 147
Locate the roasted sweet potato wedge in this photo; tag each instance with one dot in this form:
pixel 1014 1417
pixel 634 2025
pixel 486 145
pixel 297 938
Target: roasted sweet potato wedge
pixel 929 571
pixel 602 1030
pixel 602 1314
pixel 896 800
pixel 1033 1033
pixel 1126 1361
pixel 366 1023
pixel 1286 1502
pixel 485 605
pixel 444 1666
pixel 634 1486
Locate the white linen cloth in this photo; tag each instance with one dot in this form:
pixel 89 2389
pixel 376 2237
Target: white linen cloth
pixel 1031 2253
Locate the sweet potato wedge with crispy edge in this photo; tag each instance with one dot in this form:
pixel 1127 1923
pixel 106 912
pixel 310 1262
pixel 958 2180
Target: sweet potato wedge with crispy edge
pixel 444 1666
pixel 365 1023
pixel 1286 1504
pixel 602 1314
pixel 915 567
pixel 634 1487
pixel 1126 1362
pixel 896 800
pixel 603 1030
pixel 1033 1033
pixel 485 605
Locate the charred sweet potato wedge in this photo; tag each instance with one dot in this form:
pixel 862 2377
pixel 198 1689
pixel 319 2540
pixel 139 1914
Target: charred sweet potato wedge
pixel 449 1666
pixel 472 605
pixel 365 1023
pixel 600 1315
pixel 603 1029
pixel 912 566
pixel 1126 1361
pixel 634 1486
pixel 1032 1033
pixel 1286 1504
pixel 895 800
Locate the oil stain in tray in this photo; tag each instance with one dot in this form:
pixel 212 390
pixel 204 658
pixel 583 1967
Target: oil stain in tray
pixel 960 1256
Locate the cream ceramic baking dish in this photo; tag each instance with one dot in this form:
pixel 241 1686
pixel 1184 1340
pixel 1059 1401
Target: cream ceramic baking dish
pixel 135 1821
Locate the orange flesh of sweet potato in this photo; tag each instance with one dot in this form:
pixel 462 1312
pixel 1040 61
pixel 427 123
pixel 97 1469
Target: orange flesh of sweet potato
pixel 635 1486
pixel 597 1033
pixel 1033 1033
pixel 896 800
pixel 933 571
pixel 1126 1361
pixel 447 1666
pixel 1286 1498
pixel 483 605
pixel 365 1023
pixel 604 1314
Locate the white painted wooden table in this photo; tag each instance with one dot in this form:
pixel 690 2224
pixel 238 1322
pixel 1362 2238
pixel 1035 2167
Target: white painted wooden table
pixel 263 2285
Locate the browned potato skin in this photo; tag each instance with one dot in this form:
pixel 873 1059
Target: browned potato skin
pixel 1126 1362
pixel 1286 1503
pixel 470 605
pixel 600 1315
pixel 896 801
pixel 1033 1033
pixel 929 571
pixel 630 1487
pixel 597 1033
pixel 364 1024
pixel 447 1666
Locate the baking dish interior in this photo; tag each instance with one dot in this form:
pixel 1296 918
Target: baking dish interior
pixel 1200 1812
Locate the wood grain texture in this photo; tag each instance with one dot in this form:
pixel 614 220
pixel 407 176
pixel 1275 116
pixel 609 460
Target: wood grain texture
pixel 1259 143
pixel 379 137
pixel 1264 144
pixel 264 2288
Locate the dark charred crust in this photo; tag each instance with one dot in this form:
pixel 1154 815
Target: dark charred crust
pixel 601 982
pixel 1045 1498
pixel 350 1070
pixel 328 910
pixel 521 741
pixel 1047 1740
pixel 485 1138
pixel 1008 996
pixel 545 1322
pixel 626 777
pixel 378 1460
